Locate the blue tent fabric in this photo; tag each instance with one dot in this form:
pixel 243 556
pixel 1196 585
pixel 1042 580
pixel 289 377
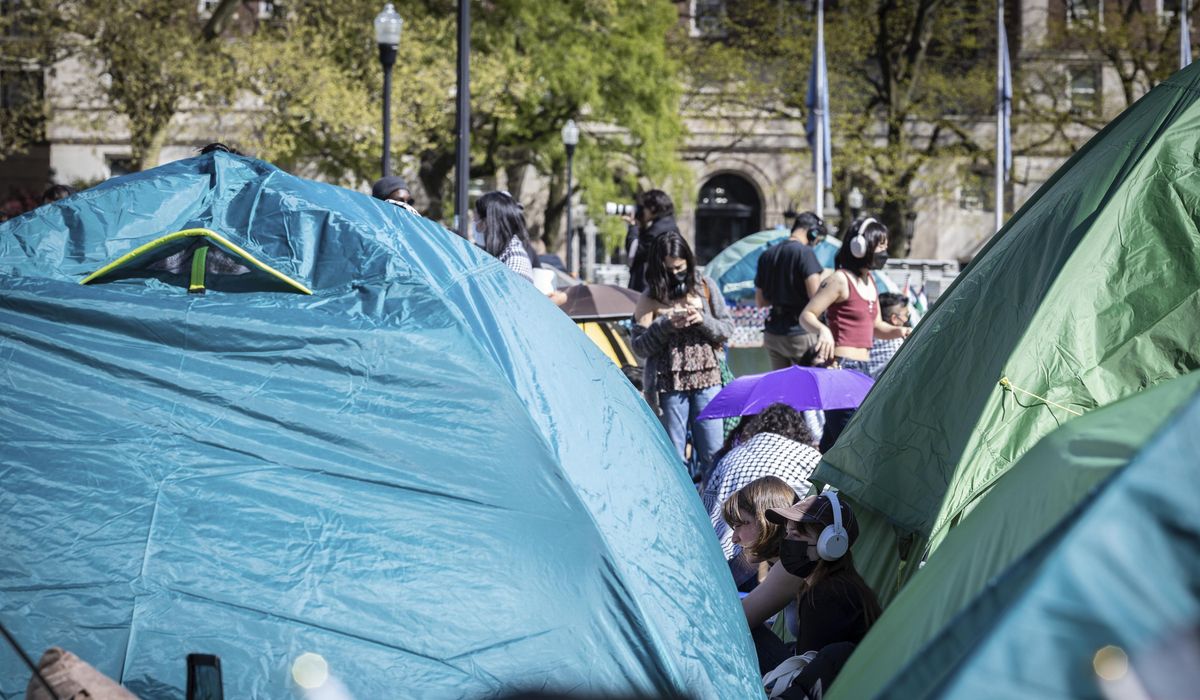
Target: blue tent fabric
pixel 422 472
pixel 734 267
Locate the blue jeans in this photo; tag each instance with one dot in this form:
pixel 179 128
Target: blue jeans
pixel 836 421
pixel 679 411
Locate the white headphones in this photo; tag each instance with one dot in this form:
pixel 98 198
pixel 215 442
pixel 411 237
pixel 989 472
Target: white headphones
pixel 858 244
pixel 833 542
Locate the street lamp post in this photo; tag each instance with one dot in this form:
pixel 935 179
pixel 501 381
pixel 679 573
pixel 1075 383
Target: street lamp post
pixel 855 200
pixel 570 138
pixel 462 101
pixel 387 34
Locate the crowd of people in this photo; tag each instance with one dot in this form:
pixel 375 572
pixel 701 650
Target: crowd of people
pixel 787 547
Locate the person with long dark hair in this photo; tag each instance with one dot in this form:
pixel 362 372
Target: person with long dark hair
pixel 835 606
pixel 680 326
pixel 501 220
pixel 850 301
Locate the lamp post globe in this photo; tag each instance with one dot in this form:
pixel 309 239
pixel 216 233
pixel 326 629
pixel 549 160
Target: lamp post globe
pixel 855 201
pixel 570 138
pixel 388 25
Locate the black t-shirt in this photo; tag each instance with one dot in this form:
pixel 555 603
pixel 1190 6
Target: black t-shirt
pixel 781 272
pixel 832 612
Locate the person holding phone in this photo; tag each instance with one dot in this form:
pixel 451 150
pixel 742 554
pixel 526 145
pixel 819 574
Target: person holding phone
pixel 680 326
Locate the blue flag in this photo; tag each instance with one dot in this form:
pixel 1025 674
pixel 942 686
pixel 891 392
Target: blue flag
pixel 1004 101
pixel 818 99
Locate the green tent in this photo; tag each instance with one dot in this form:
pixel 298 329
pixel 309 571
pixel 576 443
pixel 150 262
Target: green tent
pixel 1089 294
pixel 959 597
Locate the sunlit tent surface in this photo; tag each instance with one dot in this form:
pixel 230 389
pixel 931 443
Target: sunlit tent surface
pixel 1090 293
pixel 1048 527
pixel 420 471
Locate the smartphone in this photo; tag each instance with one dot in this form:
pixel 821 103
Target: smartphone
pixel 204 677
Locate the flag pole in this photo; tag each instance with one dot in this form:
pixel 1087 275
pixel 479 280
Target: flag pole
pixel 1000 135
pixel 819 150
pixel 1185 36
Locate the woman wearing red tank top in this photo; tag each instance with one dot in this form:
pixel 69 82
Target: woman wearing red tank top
pixel 850 302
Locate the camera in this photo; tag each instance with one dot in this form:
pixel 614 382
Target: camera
pixel 614 209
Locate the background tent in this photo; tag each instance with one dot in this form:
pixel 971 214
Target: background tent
pixel 1090 293
pixel 948 605
pixel 384 472
pixel 733 269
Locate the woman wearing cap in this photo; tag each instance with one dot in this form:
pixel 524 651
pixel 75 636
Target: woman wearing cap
pixel 835 603
pixel 850 301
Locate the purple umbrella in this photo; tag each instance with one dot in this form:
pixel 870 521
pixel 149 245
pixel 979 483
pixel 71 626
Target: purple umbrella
pixel 802 388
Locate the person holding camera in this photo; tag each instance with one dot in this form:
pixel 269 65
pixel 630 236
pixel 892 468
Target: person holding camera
pixel 680 326
pixel 654 216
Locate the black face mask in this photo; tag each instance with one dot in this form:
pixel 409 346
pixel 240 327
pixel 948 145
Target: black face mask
pixel 679 284
pixel 793 554
pixel 879 261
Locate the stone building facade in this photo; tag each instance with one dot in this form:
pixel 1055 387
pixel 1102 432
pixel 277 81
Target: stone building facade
pixel 743 178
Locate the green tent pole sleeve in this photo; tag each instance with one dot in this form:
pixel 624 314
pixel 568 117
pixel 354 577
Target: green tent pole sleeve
pixel 198 259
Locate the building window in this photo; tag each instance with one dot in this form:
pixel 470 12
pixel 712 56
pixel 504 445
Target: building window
pixel 978 189
pixel 11 18
pixel 20 88
pixel 1083 90
pixel 1085 11
pixel 708 18
pixel 119 165
pixel 205 8
pixel 1168 9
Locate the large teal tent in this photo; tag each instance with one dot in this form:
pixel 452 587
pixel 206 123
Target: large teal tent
pixel 1038 512
pixel 367 440
pixel 1089 294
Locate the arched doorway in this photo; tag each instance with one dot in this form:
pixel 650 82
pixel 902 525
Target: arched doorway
pixel 729 208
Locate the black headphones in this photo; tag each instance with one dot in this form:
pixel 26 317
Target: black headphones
pixel 815 231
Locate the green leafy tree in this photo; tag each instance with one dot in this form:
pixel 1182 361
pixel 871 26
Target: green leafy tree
pixel 25 35
pixel 533 66
pixel 910 80
pixel 1126 39
pixel 144 59
pixel 304 89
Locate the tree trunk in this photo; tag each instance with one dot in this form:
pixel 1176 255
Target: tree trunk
pixel 146 141
pixel 433 172
pixel 553 234
pixel 895 217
